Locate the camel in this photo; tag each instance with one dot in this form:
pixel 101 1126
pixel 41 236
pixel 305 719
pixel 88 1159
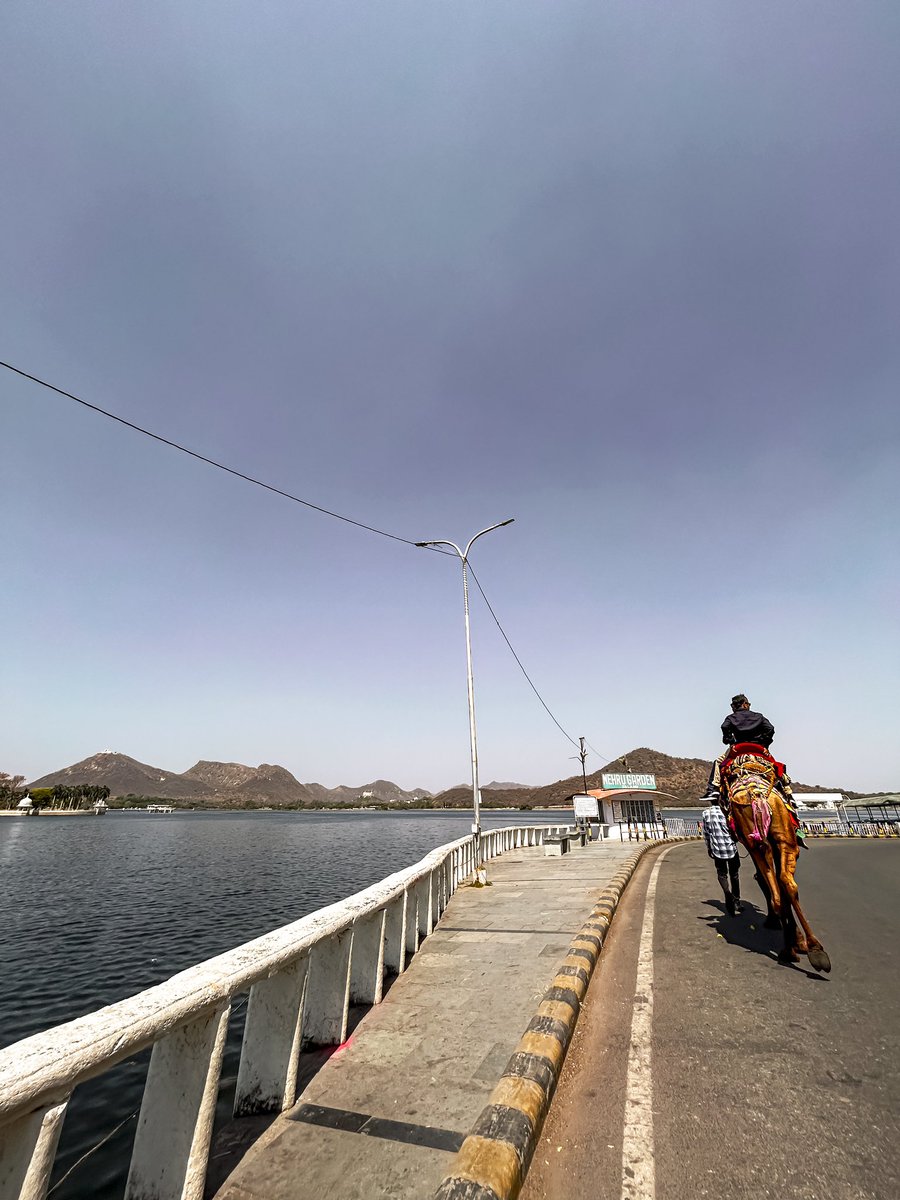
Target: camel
pixel 762 822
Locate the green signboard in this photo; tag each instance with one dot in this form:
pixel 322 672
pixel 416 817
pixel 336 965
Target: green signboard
pixel 630 782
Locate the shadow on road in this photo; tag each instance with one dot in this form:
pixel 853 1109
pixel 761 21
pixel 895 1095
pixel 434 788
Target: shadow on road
pixel 740 931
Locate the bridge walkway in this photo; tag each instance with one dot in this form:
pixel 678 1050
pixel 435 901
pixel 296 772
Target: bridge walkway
pixel 387 1111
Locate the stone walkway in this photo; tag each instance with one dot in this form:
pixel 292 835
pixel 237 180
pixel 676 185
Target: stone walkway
pixel 387 1111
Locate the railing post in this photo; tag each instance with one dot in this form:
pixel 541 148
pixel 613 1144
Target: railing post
pixel 424 898
pixel 171 1146
pixel 27 1151
pixel 395 935
pixel 328 991
pixel 367 959
pixel 267 1075
pixel 412 920
pixel 440 889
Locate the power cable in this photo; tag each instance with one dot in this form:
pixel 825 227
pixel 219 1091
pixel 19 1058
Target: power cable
pixel 606 757
pixel 211 461
pixel 297 500
pixel 519 661
pixel 525 673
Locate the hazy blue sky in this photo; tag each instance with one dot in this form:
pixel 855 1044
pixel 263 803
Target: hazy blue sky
pixel 625 271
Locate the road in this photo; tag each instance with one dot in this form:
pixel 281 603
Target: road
pixel 755 1079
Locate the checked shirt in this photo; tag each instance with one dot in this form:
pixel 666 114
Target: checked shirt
pixel 719 841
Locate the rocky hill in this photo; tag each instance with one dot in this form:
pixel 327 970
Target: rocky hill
pixel 221 785
pixel 126 776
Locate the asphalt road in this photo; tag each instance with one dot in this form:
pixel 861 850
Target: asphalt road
pixel 766 1080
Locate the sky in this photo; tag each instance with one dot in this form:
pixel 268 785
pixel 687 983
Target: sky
pixel 627 272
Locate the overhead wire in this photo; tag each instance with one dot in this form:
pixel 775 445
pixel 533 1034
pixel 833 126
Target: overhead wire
pixel 157 437
pixel 269 487
pixel 521 666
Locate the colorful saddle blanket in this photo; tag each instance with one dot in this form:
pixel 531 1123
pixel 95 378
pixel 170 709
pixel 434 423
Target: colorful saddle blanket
pixel 750 775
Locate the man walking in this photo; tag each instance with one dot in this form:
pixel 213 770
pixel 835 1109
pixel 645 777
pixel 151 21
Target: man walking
pixel 723 851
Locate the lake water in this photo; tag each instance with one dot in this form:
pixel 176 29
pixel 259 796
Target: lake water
pixel 96 910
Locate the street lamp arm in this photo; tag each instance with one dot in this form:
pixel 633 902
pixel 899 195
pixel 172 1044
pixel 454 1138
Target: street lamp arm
pixel 489 529
pixel 425 545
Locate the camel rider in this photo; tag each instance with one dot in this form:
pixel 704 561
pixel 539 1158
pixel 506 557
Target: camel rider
pixel 744 725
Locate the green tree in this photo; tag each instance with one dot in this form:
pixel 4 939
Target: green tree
pixel 10 789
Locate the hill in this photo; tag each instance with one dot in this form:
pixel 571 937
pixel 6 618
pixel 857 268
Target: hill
pixel 221 784
pixel 126 776
pixel 683 778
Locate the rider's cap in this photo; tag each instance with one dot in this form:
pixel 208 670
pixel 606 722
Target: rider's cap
pixel 738 700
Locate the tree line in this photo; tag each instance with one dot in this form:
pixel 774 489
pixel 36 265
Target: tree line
pixel 65 795
pixel 62 795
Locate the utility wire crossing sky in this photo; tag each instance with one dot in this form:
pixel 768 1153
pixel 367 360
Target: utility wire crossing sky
pixel 307 503
pixel 628 271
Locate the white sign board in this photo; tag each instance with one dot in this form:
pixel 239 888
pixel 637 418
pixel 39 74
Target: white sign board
pixel 587 808
pixel 646 782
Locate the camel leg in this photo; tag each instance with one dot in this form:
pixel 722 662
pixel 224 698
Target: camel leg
pixel 771 921
pixel 812 947
pixel 767 879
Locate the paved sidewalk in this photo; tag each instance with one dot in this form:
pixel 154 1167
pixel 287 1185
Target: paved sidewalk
pixel 386 1113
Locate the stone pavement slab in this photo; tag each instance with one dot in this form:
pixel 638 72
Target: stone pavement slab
pixel 387 1111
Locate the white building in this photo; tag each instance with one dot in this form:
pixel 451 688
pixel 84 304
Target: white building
pixel 819 799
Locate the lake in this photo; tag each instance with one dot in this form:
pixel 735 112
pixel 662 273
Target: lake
pixel 95 910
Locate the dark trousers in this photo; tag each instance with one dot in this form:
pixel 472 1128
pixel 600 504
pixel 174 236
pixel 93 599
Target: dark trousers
pixel 728 872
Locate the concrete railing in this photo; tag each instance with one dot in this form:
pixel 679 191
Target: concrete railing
pixel 301 979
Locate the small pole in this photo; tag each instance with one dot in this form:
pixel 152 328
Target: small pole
pixel 583 756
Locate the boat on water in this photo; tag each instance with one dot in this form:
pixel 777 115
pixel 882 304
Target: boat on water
pixel 160 808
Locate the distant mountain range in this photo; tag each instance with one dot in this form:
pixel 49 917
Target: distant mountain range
pixel 234 785
pixel 222 785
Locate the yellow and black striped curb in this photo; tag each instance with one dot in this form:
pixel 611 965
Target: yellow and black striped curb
pixel 492 1161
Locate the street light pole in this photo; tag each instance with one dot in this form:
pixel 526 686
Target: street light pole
pixel 473 739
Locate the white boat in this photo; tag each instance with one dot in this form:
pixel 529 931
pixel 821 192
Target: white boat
pixel 160 808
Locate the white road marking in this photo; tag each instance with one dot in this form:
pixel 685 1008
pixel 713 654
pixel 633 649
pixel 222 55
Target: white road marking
pixel 638 1164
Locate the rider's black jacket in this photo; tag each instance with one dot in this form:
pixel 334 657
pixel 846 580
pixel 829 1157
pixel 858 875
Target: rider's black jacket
pixel 745 725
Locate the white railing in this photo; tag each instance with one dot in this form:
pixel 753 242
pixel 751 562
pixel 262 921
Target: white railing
pixel 301 978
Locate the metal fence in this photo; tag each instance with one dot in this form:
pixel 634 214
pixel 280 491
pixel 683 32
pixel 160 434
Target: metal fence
pixel 838 828
pixel 827 827
pixel 681 826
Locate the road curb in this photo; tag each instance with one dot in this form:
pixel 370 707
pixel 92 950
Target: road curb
pixel 493 1160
